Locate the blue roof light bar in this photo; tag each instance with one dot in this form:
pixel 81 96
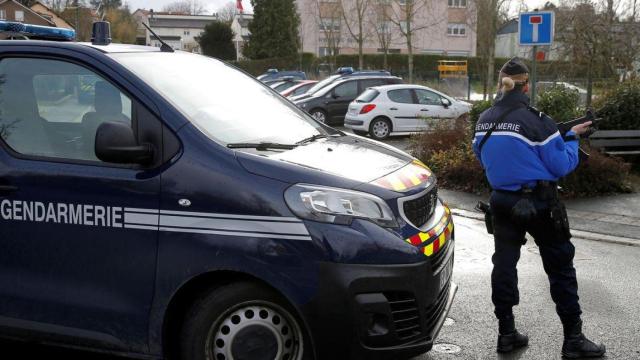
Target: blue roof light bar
pixel 37 31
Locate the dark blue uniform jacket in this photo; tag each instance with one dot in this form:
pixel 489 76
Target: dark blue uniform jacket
pixel 524 148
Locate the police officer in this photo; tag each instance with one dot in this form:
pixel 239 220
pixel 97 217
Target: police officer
pixel 524 155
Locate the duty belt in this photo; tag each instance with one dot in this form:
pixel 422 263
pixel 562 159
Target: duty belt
pixel 544 190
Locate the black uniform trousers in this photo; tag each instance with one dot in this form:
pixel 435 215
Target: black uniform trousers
pixel 556 250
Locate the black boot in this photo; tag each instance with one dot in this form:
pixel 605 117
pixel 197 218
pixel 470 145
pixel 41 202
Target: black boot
pixel 509 338
pixel 577 346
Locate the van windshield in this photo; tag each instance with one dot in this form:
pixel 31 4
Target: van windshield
pixel 224 103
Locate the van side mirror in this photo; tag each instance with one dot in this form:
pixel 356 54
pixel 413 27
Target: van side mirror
pixel 446 102
pixel 116 143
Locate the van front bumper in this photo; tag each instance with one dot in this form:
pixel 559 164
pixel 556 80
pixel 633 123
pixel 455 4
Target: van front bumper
pixel 379 311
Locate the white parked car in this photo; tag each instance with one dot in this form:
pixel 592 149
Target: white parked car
pixel 400 109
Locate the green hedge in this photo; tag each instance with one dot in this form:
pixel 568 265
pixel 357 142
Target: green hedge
pixel 620 107
pixel 425 66
pixel 305 63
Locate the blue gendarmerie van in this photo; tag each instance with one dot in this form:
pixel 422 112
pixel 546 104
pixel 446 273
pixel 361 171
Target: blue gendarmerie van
pixel 161 204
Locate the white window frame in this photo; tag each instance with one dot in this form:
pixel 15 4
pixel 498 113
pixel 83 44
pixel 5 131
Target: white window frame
pixel 457 29
pixel 3 14
pixel 457 3
pixel 19 18
pixel 329 24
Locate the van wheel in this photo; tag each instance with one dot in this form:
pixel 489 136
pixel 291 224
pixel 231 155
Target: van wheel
pixel 380 128
pixel 241 321
pixel 319 115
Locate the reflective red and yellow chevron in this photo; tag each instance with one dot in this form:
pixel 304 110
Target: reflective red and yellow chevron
pixel 436 238
pixel 412 175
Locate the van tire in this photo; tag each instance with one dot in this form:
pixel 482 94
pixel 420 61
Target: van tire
pixel 380 128
pixel 240 312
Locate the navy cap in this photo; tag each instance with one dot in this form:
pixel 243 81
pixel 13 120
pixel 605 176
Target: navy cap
pixel 515 66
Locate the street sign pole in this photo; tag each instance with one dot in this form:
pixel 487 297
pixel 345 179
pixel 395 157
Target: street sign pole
pixel 534 29
pixel 532 81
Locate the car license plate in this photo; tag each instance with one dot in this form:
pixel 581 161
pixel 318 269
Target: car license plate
pixel 445 274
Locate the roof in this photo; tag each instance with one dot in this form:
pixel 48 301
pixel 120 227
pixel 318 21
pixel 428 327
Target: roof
pixel 29 10
pixel 509 27
pixel 112 48
pixel 180 21
pixel 51 15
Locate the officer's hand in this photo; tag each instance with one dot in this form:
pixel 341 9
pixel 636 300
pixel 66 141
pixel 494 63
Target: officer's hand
pixel 581 128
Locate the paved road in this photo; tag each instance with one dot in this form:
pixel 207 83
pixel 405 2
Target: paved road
pixel 608 277
pixel 609 286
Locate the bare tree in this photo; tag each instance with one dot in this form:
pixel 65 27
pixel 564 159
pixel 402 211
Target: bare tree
pixel 191 7
pixel 381 26
pixel 329 18
pixel 583 33
pixel 412 16
pixel 353 14
pixel 491 13
pixel 227 12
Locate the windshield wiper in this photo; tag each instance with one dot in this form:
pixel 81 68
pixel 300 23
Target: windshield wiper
pixel 262 146
pixel 311 139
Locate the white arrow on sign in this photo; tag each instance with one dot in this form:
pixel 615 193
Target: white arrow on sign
pixel 535 21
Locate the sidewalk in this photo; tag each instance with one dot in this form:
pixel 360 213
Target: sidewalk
pixel 607 218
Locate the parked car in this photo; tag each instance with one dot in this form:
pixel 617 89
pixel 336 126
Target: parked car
pixel 299 88
pixel 400 109
pixel 274 74
pixel 285 84
pixel 342 75
pixel 543 86
pixel 329 104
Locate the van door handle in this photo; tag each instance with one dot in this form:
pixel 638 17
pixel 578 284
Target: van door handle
pixel 6 189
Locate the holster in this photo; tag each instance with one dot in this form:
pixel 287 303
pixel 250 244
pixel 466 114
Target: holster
pixel 560 218
pixel 488 215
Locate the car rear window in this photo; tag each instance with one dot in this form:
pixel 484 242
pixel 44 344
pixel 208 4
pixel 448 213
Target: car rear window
pixel 368 96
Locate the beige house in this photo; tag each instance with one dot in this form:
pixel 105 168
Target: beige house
pixel 12 10
pixel 44 11
pixel 442 27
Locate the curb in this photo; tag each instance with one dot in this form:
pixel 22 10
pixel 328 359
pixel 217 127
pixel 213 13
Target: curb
pixel 576 233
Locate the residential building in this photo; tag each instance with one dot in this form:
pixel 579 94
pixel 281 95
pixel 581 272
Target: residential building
pixel 241 33
pixel 44 11
pixel 178 30
pixel 442 27
pixel 12 10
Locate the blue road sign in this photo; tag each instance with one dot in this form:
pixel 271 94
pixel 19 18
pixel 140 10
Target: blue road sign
pixel 536 28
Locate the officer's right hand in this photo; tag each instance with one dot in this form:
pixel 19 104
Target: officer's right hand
pixel 581 128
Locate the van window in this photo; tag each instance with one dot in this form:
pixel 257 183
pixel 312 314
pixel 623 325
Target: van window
pixel 348 90
pixel 53 108
pixel 367 83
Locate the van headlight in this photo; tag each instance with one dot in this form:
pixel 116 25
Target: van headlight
pixel 338 206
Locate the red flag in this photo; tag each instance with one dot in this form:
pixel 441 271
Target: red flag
pixel 239 5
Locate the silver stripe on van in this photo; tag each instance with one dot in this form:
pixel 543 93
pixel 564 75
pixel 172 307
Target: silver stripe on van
pixel 275 227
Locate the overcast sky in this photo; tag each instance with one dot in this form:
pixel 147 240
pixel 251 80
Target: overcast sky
pixel 212 5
